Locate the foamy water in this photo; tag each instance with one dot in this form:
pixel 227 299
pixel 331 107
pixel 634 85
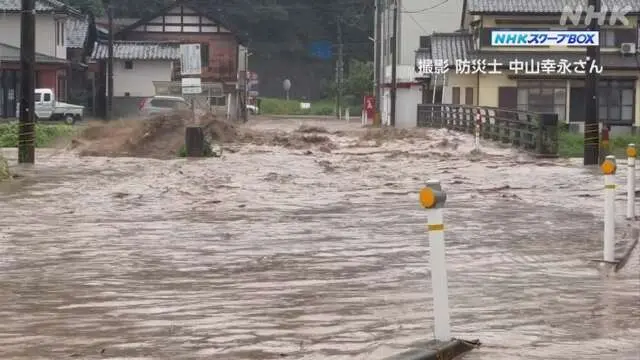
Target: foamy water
pixel 270 253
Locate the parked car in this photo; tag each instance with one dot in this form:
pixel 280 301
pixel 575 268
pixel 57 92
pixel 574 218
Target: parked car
pixel 49 109
pixel 162 104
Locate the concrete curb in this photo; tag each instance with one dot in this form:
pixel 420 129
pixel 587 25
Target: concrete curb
pixel 437 350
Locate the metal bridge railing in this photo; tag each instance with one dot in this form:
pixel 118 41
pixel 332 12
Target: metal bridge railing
pixel 534 132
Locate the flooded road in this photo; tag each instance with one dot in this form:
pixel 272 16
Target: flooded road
pixel 269 253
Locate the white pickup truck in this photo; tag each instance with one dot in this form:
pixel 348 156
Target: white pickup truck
pixel 47 108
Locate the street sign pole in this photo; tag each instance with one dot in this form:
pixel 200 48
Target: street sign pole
pixel 191 70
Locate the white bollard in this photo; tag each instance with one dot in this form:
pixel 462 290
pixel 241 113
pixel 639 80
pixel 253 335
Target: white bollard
pixel 478 121
pixel 609 170
pixel 433 198
pixel 632 154
pixel 346 114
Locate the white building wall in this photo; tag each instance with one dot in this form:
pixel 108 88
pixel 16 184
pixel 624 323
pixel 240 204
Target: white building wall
pixel 138 81
pixel 243 58
pixel 45 33
pixel 416 18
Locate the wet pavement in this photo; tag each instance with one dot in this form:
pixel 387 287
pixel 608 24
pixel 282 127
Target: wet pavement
pixel 269 253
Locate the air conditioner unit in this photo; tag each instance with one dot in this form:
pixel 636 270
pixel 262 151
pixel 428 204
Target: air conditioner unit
pixel 628 48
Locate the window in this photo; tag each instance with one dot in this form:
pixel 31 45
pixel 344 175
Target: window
pixel 47 98
pixel 204 55
pixel 616 101
pixel 127 94
pixel 167 103
pixel 59 33
pixel 607 38
pixel 468 96
pixel 218 101
pixel 543 97
pixel 128 65
pixel 455 95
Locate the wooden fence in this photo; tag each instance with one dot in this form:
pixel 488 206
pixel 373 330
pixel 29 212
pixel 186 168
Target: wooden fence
pixel 534 132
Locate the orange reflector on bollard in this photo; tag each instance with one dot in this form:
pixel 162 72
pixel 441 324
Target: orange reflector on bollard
pixel 608 167
pixel 427 198
pixel 632 152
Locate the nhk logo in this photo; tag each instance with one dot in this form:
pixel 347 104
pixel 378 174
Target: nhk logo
pixel 615 15
pixel 545 38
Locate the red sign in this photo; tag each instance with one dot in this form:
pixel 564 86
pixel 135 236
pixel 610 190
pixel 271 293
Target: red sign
pixel 370 106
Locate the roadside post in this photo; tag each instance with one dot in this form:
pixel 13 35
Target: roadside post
pixel 346 114
pixel 478 122
pixel 443 347
pixel 632 154
pixel 604 142
pixel 433 198
pixel 609 170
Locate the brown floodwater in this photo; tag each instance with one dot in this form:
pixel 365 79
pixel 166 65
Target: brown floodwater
pixel 273 253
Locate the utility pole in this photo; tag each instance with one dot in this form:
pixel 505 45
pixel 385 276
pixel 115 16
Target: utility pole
pixel 378 55
pixel 110 63
pixel 339 71
pixel 394 65
pixel 26 134
pixel 591 123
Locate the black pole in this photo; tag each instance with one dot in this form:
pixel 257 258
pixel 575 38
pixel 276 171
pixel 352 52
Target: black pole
pixel 339 70
pixel 110 64
pixel 378 56
pixel 591 128
pixel 26 134
pixel 394 61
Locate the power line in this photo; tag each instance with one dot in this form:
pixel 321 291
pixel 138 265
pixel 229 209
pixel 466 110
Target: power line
pixel 426 9
pixel 415 21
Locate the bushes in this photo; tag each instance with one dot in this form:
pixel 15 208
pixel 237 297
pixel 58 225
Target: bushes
pixel 4 169
pixel 572 144
pixel 271 106
pixel 46 135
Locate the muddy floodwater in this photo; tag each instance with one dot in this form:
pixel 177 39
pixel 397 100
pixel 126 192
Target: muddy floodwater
pixel 275 253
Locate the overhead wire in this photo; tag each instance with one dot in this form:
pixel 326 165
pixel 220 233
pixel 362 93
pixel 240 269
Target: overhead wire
pixel 425 9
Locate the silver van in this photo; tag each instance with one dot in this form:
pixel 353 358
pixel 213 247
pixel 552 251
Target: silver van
pixel 162 104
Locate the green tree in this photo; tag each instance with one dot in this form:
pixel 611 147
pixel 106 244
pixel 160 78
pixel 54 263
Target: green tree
pixel 359 82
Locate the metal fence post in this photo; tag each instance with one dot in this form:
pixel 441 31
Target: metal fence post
pixel 547 142
pixel 433 198
pixel 632 154
pixel 608 168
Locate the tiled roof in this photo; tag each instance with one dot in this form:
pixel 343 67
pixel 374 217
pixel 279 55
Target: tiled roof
pixel 41 6
pixel 454 46
pixel 10 53
pixel 450 46
pixel 540 6
pixel 138 50
pixel 76 31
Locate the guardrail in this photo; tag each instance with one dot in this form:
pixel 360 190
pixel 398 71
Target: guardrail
pixel 534 132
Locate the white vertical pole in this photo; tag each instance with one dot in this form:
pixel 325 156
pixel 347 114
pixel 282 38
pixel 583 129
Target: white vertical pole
pixel 439 285
pixel 346 114
pixel 478 120
pixel 609 208
pixel 631 181
pixel 435 86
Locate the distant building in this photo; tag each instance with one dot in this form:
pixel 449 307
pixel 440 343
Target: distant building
pixel 415 19
pixel 560 93
pixel 52 66
pixel 148 52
